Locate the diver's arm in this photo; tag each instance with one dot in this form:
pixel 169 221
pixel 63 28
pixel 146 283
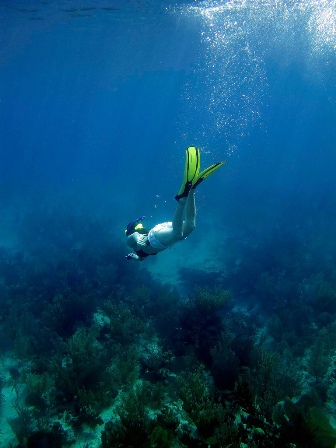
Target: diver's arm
pixel 134 241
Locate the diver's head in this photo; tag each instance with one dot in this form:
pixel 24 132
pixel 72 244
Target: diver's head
pixel 136 226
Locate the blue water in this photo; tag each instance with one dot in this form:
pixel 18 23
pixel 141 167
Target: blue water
pixel 103 96
pixel 98 102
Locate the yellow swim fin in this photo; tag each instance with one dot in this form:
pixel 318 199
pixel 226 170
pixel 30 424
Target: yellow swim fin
pixel 206 173
pixel 191 171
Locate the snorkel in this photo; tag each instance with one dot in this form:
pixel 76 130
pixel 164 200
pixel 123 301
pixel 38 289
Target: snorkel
pixel 135 226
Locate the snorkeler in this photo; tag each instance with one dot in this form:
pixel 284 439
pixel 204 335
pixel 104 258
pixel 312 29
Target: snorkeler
pixel 162 236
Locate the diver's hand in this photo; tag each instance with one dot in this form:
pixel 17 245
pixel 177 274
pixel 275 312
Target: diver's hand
pixel 132 256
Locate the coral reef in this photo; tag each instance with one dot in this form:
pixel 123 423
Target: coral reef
pixel 98 347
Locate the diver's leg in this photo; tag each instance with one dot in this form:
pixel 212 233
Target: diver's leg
pixel 178 219
pixel 190 215
pixel 170 235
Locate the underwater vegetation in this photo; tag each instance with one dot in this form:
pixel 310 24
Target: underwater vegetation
pixel 92 343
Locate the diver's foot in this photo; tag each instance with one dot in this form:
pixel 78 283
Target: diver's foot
pixel 181 201
pixel 183 197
